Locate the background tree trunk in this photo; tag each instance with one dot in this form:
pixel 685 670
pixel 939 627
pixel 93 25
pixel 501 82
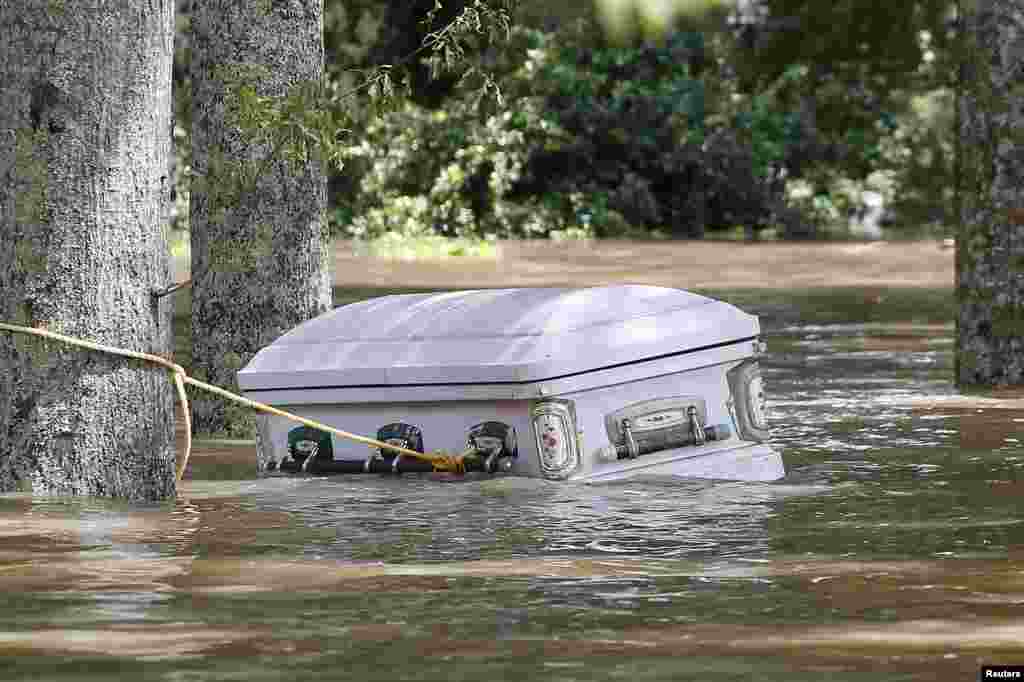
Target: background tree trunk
pixel 85 104
pixel 990 243
pixel 259 247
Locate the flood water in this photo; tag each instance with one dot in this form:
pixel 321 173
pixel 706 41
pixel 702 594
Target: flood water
pixel 893 549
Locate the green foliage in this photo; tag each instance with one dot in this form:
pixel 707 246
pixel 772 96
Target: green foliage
pixel 308 123
pixel 305 125
pixel 181 248
pixel 562 133
pixel 30 174
pixel 909 162
pixel 623 20
pixel 864 74
pixel 182 182
pixel 447 173
pixel 766 123
pixel 427 246
pixel 600 141
pixel 580 80
pixel 858 55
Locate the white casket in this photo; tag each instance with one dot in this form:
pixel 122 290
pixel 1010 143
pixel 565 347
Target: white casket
pixel 584 384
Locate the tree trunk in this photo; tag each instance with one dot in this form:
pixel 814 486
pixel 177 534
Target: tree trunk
pixel 990 242
pixel 85 104
pixel 259 247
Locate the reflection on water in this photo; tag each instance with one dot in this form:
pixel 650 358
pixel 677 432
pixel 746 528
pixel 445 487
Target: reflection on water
pixel 894 549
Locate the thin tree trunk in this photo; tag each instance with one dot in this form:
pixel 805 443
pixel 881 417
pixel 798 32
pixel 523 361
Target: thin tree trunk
pixel 990 242
pixel 85 105
pixel 259 248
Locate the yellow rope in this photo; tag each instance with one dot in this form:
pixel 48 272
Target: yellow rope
pixel 440 461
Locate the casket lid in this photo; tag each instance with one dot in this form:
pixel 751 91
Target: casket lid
pixel 493 336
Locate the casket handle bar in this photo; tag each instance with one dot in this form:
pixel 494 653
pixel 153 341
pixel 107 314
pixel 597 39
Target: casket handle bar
pixel 697 434
pixel 400 435
pixel 696 430
pixel 309 458
pixel 632 451
pixel 494 441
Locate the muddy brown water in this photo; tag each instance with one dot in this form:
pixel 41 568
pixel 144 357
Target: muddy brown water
pixel 687 265
pixel 892 550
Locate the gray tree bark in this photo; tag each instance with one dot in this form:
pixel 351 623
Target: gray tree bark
pixel 990 242
pixel 85 106
pixel 259 244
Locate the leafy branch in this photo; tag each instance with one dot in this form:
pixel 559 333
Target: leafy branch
pixel 313 117
pixel 309 123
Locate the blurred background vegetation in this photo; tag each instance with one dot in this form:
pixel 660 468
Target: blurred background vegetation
pixel 788 119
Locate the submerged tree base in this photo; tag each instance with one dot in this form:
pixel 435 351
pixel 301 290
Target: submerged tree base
pixel 990 245
pixel 85 97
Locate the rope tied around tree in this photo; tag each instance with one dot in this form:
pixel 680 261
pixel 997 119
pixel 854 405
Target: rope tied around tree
pixel 440 461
